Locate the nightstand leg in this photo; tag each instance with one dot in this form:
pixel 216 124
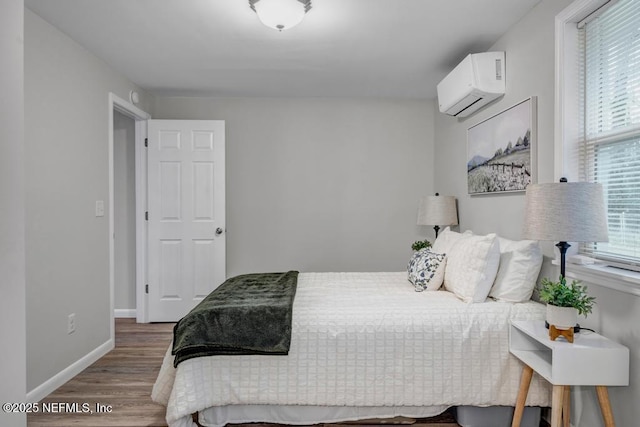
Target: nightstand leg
pixel 525 382
pixel 556 405
pixel 566 406
pixel 605 406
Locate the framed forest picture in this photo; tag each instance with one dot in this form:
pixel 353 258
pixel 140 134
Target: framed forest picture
pixel 501 150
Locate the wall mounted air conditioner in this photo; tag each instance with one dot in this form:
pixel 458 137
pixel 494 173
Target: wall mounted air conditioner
pixel 476 81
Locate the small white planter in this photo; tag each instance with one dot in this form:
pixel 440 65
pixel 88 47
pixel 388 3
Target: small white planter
pixel 562 317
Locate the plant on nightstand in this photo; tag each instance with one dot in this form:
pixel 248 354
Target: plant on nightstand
pixel 420 244
pixel 565 302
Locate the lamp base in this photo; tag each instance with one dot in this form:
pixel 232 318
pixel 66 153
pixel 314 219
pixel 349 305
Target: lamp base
pixel 562 247
pixel 576 329
pixel 566 333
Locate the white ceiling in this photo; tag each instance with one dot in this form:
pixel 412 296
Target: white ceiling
pixel 351 48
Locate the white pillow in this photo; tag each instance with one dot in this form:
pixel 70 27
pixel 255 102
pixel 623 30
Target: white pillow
pixel 472 264
pixel 426 270
pixel 520 263
pixel 445 241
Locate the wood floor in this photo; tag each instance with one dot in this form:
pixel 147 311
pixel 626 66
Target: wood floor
pixel 123 380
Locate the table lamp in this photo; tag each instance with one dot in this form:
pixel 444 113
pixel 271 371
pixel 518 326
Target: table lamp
pixel 565 212
pixel 437 210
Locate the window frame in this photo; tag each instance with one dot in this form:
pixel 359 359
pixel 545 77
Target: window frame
pixel 567 133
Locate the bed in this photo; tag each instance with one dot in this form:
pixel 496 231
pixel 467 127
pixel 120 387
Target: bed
pixel 367 345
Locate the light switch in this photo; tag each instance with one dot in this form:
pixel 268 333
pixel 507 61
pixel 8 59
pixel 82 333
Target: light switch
pixel 99 207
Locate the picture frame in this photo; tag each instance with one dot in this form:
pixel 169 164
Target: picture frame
pixel 501 150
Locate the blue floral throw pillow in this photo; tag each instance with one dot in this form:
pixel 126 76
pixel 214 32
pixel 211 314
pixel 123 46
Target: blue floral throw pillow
pixel 426 270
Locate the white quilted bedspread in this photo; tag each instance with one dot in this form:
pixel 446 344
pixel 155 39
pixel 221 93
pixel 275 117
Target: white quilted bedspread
pixel 366 339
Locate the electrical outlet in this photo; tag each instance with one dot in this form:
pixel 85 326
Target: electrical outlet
pixel 99 207
pixel 71 323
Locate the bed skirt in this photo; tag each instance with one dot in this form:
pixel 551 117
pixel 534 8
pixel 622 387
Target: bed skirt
pixel 307 415
pixel 466 416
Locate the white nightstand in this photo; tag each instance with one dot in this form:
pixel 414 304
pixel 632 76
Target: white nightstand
pixel 591 360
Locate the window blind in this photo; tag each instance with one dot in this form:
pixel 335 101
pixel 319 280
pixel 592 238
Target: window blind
pixel 610 118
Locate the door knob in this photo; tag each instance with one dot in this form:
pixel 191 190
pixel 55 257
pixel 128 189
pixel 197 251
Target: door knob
pixel 218 231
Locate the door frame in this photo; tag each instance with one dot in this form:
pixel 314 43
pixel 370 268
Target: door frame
pixel 140 117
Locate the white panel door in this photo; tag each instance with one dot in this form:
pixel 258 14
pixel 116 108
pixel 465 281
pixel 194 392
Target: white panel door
pixel 186 203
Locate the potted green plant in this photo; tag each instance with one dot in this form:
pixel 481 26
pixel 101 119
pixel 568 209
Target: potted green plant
pixel 565 302
pixel 420 244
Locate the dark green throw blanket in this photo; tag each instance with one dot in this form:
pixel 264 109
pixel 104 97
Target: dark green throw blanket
pixel 248 314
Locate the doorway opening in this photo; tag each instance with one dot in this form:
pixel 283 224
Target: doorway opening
pixel 124 216
pixel 127 231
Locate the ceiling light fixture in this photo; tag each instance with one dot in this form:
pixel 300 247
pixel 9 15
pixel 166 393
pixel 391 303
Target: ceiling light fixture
pixel 280 14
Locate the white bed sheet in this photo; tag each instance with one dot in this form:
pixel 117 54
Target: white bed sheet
pixel 365 340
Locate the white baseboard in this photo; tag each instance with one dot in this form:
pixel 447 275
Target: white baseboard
pixel 46 388
pixel 124 312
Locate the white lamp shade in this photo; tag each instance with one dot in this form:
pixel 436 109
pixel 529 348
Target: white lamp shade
pixel 437 210
pixel 565 212
pixel 280 14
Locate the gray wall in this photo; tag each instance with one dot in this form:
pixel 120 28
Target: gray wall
pixel 12 238
pixel 124 215
pixel 529 47
pixel 319 184
pixel 66 163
